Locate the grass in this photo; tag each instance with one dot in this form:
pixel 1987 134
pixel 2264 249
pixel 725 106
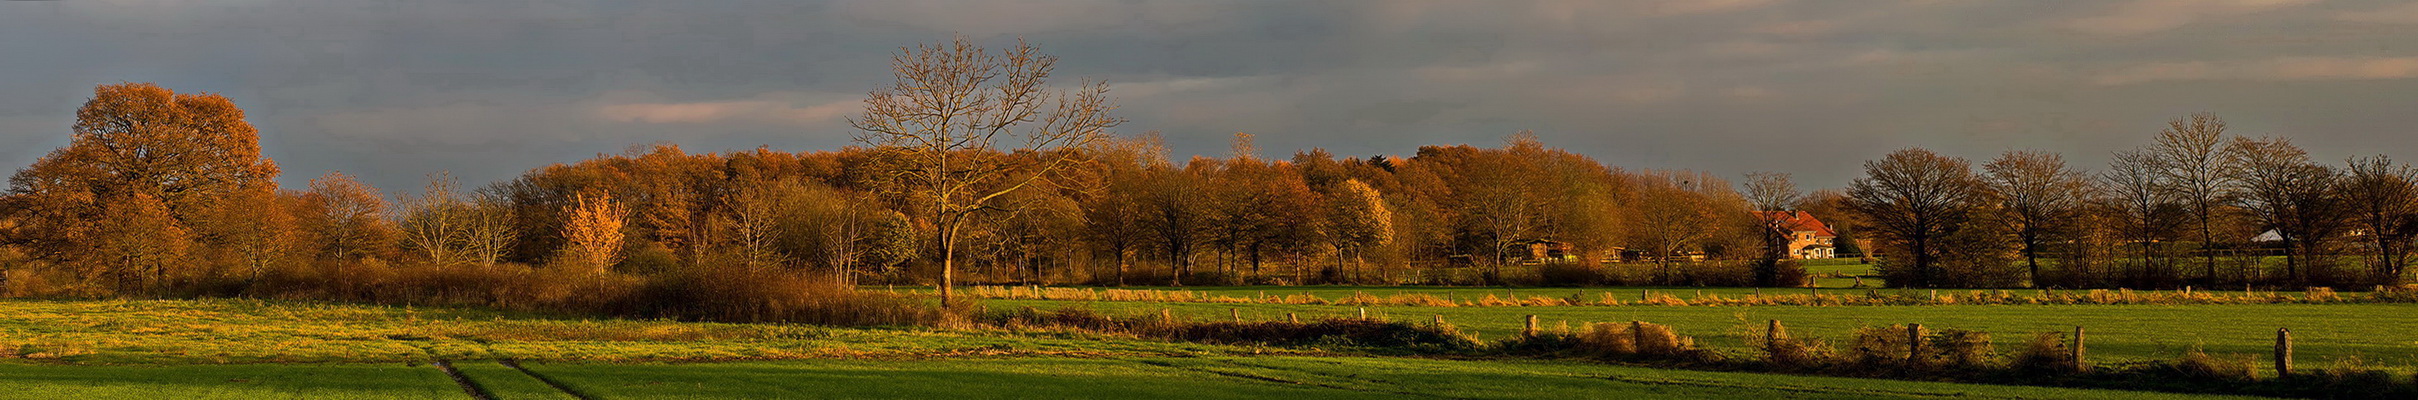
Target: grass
pixel 171 348
pixel 253 381
pixel 508 383
pixel 1246 377
pixel 247 331
pixel 2374 332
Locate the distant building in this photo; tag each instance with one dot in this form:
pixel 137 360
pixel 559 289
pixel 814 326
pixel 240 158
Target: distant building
pixel 1807 237
pixel 1541 250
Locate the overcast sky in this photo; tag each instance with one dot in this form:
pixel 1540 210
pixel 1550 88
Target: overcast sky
pixel 393 91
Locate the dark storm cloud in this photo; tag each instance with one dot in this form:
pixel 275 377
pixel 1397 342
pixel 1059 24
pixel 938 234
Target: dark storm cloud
pixel 395 90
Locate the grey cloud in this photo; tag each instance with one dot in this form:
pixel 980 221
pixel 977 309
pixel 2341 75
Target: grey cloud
pixel 392 91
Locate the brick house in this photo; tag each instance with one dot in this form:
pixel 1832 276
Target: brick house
pixel 1807 237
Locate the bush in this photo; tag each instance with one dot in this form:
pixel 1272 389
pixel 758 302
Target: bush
pixel 2201 366
pixel 1335 332
pixel 2046 353
pixel 1213 278
pixel 2352 375
pixel 1960 349
pixel 1632 340
pixel 739 294
pixel 1569 274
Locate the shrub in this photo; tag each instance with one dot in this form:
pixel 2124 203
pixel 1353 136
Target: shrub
pixel 1569 274
pixel 1888 349
pixel 2199 365
pixel 1608 339
pixel 2046 353
pixel 2355 377
pixel 738 294
pixel 1878 348
pixel 1325 332
pixel 1802 354
pixel 1960 349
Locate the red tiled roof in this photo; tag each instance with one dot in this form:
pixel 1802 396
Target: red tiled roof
pixel 1800 221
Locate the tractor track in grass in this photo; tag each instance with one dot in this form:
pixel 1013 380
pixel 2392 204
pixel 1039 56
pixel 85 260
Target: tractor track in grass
pixel 1273 379
pixel 468 386
pixel 549 381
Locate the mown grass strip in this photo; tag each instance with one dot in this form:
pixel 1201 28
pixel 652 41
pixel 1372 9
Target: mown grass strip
pixel 558 386
pixel 507 383
pixel 468 386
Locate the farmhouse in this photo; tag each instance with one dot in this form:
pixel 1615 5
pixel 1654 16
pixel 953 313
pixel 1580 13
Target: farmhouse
pixel 1807 237
pixel 1543 250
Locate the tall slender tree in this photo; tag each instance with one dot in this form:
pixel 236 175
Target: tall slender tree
pixel 950 109
pixel 1772 194
pixel 2040 196
pixel 2192 168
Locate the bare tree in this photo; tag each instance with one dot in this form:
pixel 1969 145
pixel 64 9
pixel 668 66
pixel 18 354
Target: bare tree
pixel 1771 194
pixel 489 232
pixel 1676 212
pixel 433 223
pixel 2382 198
pixel 2285 192
pixel 1174 217
pixel 951 108
pixel 1914 200
pixel 2133 187
pixel 754 219
pixel 2192 168
pixel 2040 196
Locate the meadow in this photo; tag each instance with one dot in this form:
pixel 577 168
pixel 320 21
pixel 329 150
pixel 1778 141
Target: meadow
pixel 2376 333
pixel 253 349
pixel 214 331
pixel 988 378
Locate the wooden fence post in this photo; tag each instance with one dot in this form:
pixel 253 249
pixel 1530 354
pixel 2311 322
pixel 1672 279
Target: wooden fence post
pixel 1637 335
pixel 1914 344
pixel 1290 317
pixel 1530 331
pixel 2079 363
pixel 1771 338
pixel 1237 313
pixel 1364 313
pixel 2283 352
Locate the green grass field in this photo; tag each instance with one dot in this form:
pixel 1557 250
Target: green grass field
pixel 2374 332
pixel 990 378
pixel 246 331
pixel 1245 377
pixel 183 349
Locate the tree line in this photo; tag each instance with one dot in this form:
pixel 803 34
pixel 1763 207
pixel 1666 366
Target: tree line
pixel 2196 207
pixel 972 168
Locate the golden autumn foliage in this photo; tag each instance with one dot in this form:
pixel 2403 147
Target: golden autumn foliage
pixel 593 234
pixel 148 169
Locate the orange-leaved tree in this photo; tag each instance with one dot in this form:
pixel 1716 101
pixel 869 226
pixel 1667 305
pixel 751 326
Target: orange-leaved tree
pixel 592 234
pixel 136 145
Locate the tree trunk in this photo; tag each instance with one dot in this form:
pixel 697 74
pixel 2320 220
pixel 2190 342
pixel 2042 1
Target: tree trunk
pixel 948 262
pixel 2031 255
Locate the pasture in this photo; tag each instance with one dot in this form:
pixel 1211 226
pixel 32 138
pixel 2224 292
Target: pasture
pixel 247 349
pixel 2117 333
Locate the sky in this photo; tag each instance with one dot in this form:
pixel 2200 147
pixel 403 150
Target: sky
pixel 395 91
